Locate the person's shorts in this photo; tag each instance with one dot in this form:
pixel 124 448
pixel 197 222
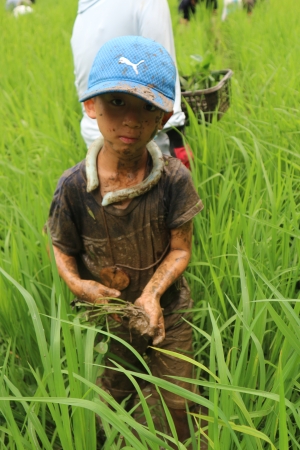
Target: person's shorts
pixel 178 339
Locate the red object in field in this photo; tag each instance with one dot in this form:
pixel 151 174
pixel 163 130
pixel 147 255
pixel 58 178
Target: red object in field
pixel 182 154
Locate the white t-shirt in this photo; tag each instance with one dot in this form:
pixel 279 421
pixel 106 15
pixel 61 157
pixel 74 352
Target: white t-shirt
pixel 98 21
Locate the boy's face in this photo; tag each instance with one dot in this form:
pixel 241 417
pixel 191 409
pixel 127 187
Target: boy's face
pixel 126 122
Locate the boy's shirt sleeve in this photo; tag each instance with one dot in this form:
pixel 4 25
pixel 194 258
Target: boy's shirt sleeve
pixel 182 201
pixel 62 219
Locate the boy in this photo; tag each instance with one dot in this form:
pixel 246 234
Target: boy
pixel 97 23
pixel 137 248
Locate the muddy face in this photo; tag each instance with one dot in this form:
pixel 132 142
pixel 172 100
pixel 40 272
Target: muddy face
pixel 127 123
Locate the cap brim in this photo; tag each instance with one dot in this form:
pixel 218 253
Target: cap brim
pixel 146 93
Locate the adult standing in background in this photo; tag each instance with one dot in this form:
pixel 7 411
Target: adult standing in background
pixel 11 4
pixel 187 7
pixel 212 4
pixel 249 5
pixel 97 22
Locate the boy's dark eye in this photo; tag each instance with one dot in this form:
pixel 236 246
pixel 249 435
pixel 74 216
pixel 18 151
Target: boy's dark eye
pixel 150 107
pixel 118 102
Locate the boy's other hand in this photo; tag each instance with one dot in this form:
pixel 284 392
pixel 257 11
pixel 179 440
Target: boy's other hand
pixel 94 292
pixel 86 290
pixel 156 327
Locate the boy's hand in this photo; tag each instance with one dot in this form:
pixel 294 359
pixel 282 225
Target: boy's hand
pixel 166 274
pixel 156 327
pixel 86 290
pixel 93 292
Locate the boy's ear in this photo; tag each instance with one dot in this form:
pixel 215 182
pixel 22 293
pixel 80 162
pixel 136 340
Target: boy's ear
pixel 89 106
pixel 165 119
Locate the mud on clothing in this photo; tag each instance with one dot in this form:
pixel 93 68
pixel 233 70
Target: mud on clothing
pixel 138 235
pixel 178 339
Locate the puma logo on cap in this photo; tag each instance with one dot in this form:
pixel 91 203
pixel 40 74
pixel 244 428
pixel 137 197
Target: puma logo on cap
pixel 126 61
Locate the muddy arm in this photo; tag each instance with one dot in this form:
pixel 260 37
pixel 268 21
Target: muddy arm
pixel 86 290
pixel 166 274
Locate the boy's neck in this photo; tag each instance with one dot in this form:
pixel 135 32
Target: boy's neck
pixel 122 163
pixel 119 170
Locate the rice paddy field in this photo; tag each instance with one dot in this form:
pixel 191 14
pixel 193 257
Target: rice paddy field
pixel 244 272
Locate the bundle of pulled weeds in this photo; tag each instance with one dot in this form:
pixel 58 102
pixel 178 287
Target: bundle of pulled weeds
pixel 97 313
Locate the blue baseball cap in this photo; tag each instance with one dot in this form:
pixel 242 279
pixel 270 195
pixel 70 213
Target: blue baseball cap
pixel 134 65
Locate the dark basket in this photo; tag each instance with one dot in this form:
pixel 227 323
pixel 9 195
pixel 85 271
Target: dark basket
pixel 213 101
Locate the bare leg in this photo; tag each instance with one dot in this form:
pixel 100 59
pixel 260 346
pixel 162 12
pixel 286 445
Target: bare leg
pixel 181 423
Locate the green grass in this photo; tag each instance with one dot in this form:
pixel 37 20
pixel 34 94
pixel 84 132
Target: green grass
pixel 245 265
